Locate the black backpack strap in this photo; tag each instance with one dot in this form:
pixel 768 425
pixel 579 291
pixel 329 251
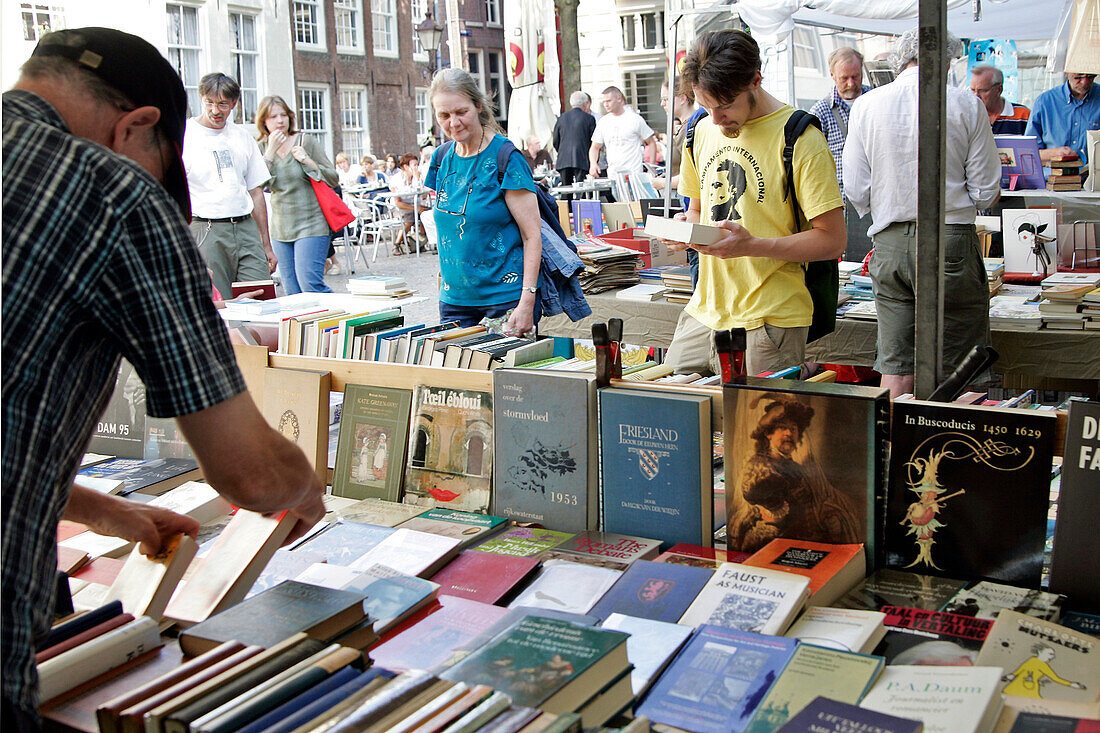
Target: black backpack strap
pixel 437 156
pixel 796 125
pixel 503 153
pixel 689 136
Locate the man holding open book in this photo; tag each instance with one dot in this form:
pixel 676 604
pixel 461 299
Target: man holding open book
pixel 99 264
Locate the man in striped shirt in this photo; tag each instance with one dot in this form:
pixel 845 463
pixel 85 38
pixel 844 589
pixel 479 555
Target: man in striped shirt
pixel 99 264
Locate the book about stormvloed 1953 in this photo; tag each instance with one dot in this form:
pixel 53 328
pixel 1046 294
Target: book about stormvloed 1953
pixel 450 456
pixel 790 473
pixel 370 456
pixel 969 491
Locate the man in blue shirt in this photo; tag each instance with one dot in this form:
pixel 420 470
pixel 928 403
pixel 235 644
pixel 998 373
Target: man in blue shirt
pixel 1063 116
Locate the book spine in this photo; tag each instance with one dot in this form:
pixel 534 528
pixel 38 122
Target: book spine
pixel 493 706
pixel 83 637
pixel 384 701
pixel 71 668
pixel 329 705
pixel 81 623
pixel 284 711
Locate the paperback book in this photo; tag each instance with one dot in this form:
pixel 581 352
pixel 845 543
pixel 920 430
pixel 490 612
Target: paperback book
pixel 650 648
pixel 846 629
pixel 749 599
pixel 566 586
pixel 523 541
pixel 888 587
pixel 946 699
pixel 653 590
pixel 450 455
pixel 466 527
pixel 824 715
pixel 606 549
pixel 370 455
pixel 484 576
pixel 914 636
pixel 986 600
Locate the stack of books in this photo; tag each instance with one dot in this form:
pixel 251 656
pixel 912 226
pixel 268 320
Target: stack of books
pixel 1014 313
pixel 606 266
pixel 1090 308
pixel 994 272
pixel 379 286
pixel 1065 173
pixel 858 287
pixel 1062 299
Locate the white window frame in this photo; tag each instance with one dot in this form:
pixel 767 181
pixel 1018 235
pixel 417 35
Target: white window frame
pixel 354 120
pixel 186 49
pixel 318 43
pixel 476 57
pixel 313 108
pixel 383 15
pixel 493 15
pixel 500 76
pixel 348 18
pixel 54 15
pixel 239 57
pixel 423 113
pixel 813 48
pixel 417 10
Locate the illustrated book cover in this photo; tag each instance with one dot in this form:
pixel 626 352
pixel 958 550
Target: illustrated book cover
pixel 607 549
pixel 546 458
pixel 566 586
pixel 969 491
pixel 370 455
pixel 296 404
pixel 915 636
pixel 987 599
pixel 824 715
pixel 653 590
pixel 1075 564
pixel 791 474
pixel 1030 241
pixel 889 587
pixel 450 456
pixel 749 599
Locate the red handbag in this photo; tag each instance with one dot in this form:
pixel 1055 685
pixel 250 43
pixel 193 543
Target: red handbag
pixel 336 212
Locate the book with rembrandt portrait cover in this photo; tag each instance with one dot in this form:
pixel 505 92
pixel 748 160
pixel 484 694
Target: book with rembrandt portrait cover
pixel 370 455
pixel 790 473
pixel 450 458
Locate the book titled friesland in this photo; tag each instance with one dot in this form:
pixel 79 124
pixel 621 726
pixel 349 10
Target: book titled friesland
pixel 450 457
pixel 370 455
pixel 969 491
pixel 546 464
pixel 790 473
pixel 655 457
pixel 717 680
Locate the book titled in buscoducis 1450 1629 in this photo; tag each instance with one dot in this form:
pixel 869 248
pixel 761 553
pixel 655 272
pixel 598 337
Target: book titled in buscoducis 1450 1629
pixel 370 456
pixel 790 473
pixel 450 457
pixel 969 491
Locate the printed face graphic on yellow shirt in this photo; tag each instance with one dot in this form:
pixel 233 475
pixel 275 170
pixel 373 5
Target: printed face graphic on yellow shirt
pixel 729 185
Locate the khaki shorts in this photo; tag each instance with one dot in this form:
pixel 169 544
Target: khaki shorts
pixel 770 348
pixel 893 270
pixel 232 251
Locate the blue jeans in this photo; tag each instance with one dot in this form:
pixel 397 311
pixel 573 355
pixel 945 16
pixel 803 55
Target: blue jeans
pixel 471 315
pixel 302 264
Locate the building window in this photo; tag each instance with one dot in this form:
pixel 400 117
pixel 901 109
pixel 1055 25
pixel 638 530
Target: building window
pixel 628 32
pixel 349 26
pixel 245 55
pixel 383 15
pixel 423 115
pixel 353 122
pixel 309 19
pixel 183 48
pixel 498 86
pixel 807 49
pixel 418 8
pixel 313 114
pixel 476 67
pixel 40 19
pixel 653 30
pixel 492 12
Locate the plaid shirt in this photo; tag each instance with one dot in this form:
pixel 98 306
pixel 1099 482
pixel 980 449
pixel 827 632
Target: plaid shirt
pixel 827 110
pixel 98 264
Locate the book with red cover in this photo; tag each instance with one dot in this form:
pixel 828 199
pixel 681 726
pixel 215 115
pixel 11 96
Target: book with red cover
pixel 88 635
pixel 430 637
pixel 699 556
pixel 69 560
pixel 915 636
pixel 483 576
pixel 832 569
pixel 247 286
pixel 101 570
pixel 67 529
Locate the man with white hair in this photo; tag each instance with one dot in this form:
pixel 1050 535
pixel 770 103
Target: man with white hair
pixel 572 138
pixel 880 177
pixel 987 81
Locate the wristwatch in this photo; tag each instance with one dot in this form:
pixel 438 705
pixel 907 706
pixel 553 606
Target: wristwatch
pixel 530 289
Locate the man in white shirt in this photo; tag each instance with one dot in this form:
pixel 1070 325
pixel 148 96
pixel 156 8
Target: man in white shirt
pixel 225 177
pixel 880 176
pixel 624 133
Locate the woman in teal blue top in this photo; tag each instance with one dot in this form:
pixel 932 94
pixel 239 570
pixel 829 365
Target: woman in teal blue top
pixel 490 240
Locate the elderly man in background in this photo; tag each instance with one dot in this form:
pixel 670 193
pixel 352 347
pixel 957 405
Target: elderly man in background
pixel 572 138
pixel 880 177
pixel 535 155
pixel 1007 118
pixel 624 133
pixel 1063 116
pixel 846 68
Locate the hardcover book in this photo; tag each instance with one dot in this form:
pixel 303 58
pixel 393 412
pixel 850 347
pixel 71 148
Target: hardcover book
pixel 561 585
pixel 379 512
pixel 152 476
pixel 391 596
pixel 296 404
pixel 1042 659
pixel 748 599
pixel 823 715
pixel 846 629
pixel 466 527
pixel 1075 564
pixel 546 663
pixel 523 541
pixel 945 699
pixel 969 490
pixel 426 642
pixel 790 474
pixel 653 590
pixel 813 671
pixel 650 648
pixel 546 458
pixel 410 552
pixel 914 636
pixel 370 455
pixel 606 549
pixel 450 455
pixel 986 600
pixel 483 576
pixel 887 587
pixel 832 569
pixel 718 679
pixel 655 458
pixel 698 556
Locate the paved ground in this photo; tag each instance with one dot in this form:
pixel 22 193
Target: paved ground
pixel 420 273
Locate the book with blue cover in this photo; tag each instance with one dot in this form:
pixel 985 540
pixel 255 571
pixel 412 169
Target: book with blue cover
pixel 823 715
pixel 653 590
pixel 718 679
pixel 655 459
pixel 545 459
pixel 342 543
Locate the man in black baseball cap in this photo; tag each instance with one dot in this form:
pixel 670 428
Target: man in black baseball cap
pixel 135 69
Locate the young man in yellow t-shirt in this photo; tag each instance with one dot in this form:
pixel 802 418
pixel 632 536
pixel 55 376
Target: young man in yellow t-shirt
pixel 753 278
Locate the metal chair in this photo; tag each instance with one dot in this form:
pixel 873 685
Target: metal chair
pixel 378 219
